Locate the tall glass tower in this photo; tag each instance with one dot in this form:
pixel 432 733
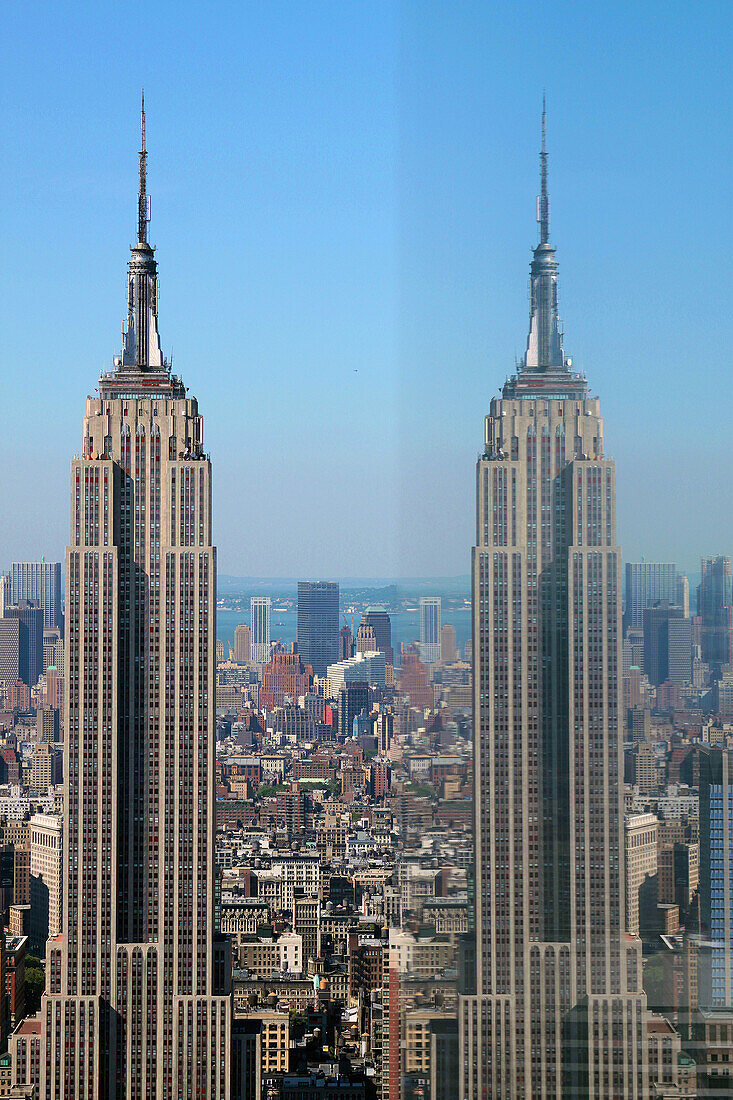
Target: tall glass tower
pixel 557 1008
pixel 318 624
pixel 135 1003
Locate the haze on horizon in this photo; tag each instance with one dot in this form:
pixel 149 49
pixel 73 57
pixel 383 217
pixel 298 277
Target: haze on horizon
pixel 343 200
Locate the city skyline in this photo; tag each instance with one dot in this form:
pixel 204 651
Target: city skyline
pixel 249 850
pixel 391 206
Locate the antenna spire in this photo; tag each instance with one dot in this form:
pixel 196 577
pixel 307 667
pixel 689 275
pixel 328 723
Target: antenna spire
pixel 143 201
pixel 544 202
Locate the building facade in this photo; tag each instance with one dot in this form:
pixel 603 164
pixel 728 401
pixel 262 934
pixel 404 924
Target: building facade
pixel 715 608
pixel 242 644
pixel 553 1005
pixel 640 851
pixel 46 880
pixel 39 581
pixel 261 619
pixel 136 1003
pixel 379 620
pixel 430 628
pixel 716 878
pixel 647 583
pixel 30 615
pixel 318 624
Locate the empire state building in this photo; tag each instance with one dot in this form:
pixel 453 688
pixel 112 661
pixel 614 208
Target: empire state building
pixel 136 1001
pixel 557 1008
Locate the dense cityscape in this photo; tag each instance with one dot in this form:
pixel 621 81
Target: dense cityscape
pixel 284 842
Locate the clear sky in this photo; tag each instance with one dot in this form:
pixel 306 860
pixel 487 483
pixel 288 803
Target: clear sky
pixel 343 200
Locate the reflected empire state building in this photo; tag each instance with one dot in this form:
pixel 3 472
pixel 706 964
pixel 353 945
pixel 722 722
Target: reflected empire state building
pixel 555 1006
pixel 136 999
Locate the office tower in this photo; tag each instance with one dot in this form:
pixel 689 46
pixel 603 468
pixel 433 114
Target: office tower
pixel 54 688
pixel 43 768
pixel 378 618
pixel 647 583
pixel 47 724
pixel 346 643
pixel 384 729
pixel 31 616
pixel 633 649
pixel 682 598
pixel 353 698
pixel 366 639
pixel 246 1058
pixel 40 582
pixel 13 650
pixel 557 1007
pixel 448 648
pixel 46 891
pixel 242 644
pixel 716 878
pixel 284 679
pixel 131 1007
pixel 413 679
pixel 715 608
pixel 318 623
pixel 53 648
pixel 370 667
pixel 5 600
pixel 679 651
pixel 261 616
pixel 640 847
pixel 667 644
pixel 430 626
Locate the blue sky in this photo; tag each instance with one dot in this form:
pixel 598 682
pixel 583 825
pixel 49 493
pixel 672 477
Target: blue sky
pixel 343 203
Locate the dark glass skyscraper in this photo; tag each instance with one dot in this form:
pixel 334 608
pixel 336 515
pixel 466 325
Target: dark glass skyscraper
pixel 557 1009
pixel 716 878
pixel 378 619
pixel 715 608
pixel 318 624
pixel 31 616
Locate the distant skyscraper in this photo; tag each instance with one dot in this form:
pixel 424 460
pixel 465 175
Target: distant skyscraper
pixel 318 623
pixel 366 640
pixel 448 648
pixel 242 644
pixel 657 622
pixel 39 581
pixel 430 627
pixel 46 886
pixel 53 648
pixel 353 698
pixel 5 600
pixel 716 878
pixel 557 1009
pixel 136 1001
pixel 261 615
pixel 679 651
pixel 647 583
pixel 378 618
pixel 31 615
pixel 683 595
pixel 346 643
pixel 13 651
pixel 715 608
pixel 369 668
